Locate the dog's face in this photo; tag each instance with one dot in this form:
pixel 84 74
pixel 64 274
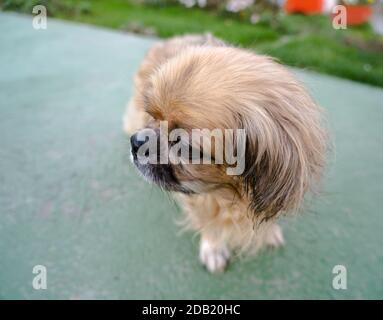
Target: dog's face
pixel 228 92
pixel 181 157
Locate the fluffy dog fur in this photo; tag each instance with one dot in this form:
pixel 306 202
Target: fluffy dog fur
pixel 200 82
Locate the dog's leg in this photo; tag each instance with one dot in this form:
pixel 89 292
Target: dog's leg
pixel 214 256
pixel 205 215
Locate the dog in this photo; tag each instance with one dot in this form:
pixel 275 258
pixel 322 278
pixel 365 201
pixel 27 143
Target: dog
pixel 200 82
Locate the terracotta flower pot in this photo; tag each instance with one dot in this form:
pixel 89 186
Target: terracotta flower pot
pixel 304 6
pixel 358 14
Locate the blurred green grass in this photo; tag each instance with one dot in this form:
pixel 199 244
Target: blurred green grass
pixel 303 41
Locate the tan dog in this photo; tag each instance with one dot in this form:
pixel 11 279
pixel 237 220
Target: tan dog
pixel 199 82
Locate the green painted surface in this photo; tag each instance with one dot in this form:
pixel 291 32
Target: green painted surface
pixel 70 200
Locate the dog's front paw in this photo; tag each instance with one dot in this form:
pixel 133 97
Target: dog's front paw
pixel 274 236
pixel 214 258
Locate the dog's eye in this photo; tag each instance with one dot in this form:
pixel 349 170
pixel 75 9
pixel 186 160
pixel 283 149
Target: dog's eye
pixel 173 142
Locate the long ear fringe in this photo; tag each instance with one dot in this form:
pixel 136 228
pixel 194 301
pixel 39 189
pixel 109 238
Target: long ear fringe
pixel 285 154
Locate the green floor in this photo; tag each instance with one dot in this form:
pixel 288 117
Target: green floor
pixel 70 200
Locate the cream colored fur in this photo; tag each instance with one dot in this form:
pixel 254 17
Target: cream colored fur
pixel 200 82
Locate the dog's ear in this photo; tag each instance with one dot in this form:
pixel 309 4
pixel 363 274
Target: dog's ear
pixel 272 178
pixel 285 148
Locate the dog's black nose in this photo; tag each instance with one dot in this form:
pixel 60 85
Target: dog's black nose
pixel 141 137
pixel 136 143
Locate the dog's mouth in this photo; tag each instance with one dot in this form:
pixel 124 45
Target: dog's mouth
pixel 160 174
pixel 152 161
